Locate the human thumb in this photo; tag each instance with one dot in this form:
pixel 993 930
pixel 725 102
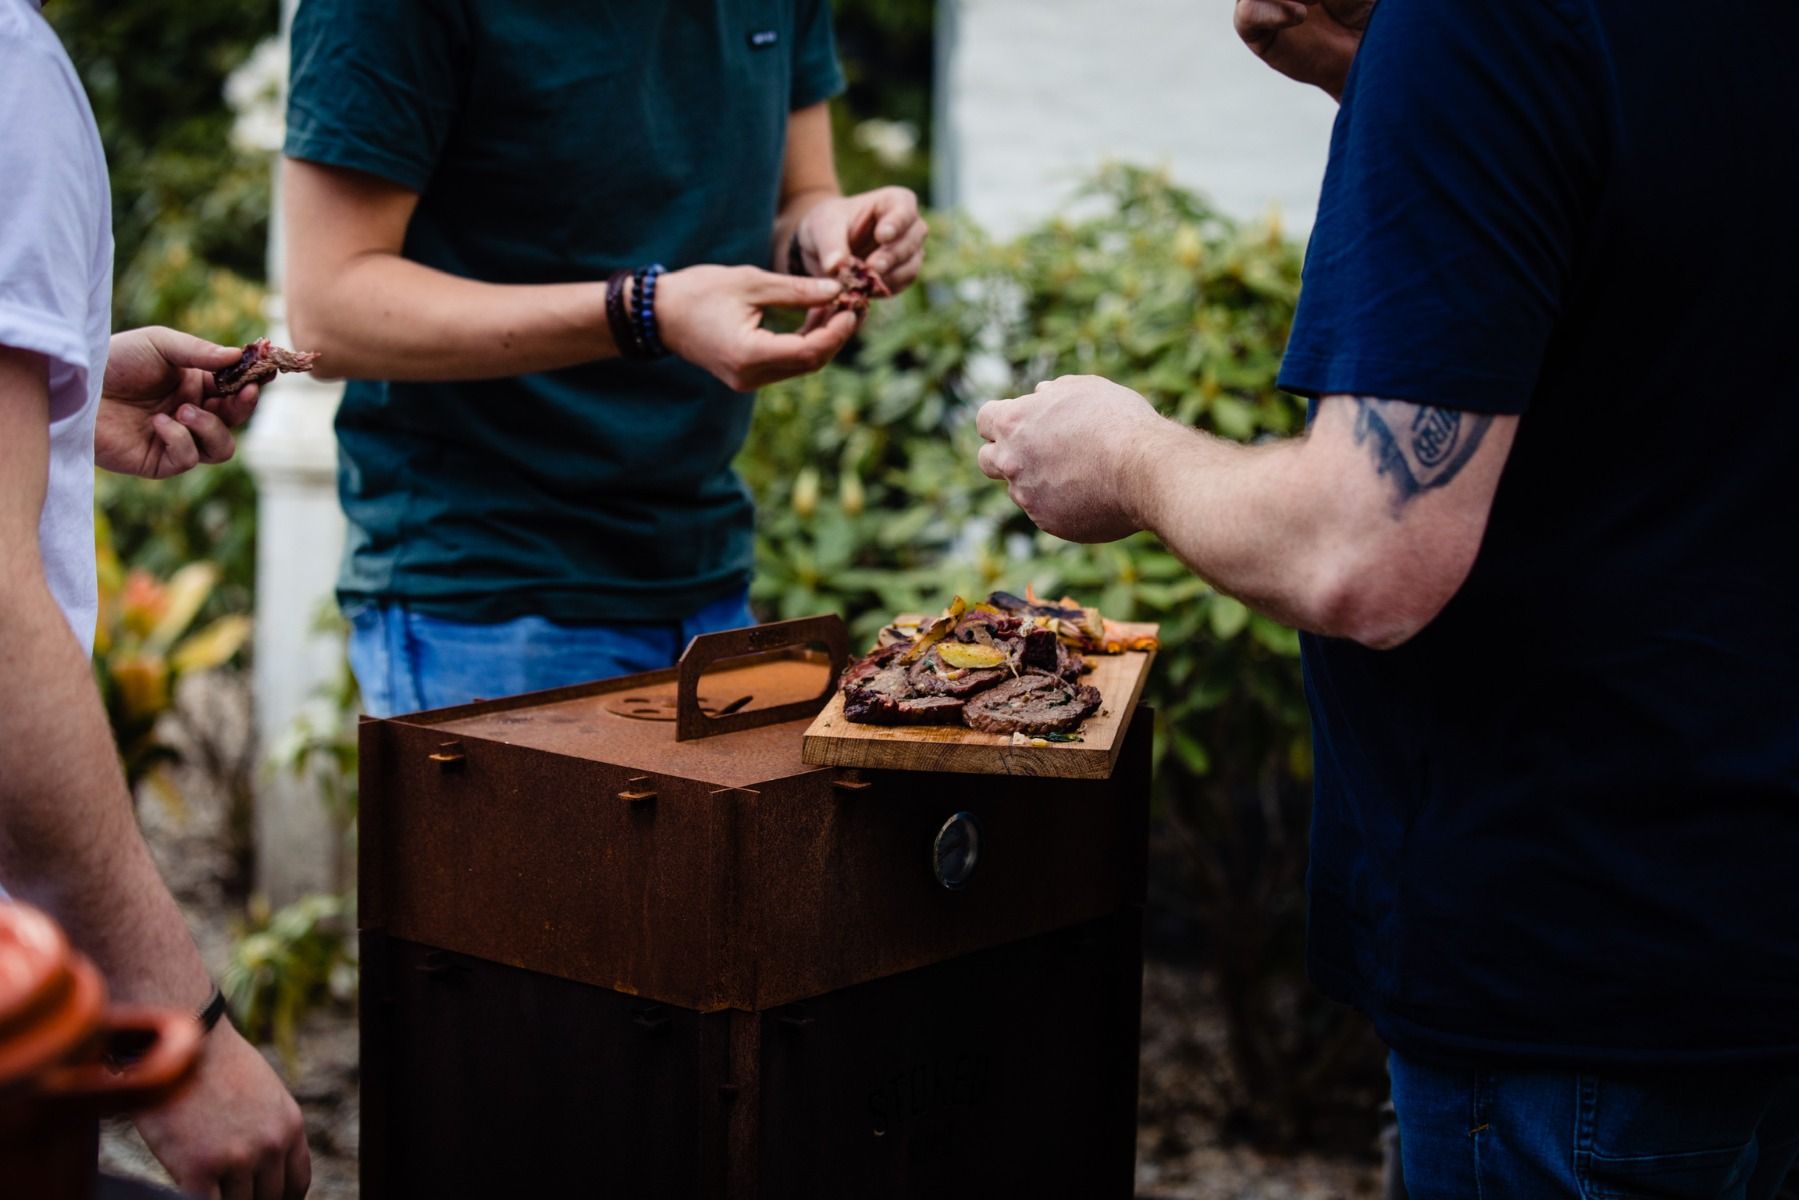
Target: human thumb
pixel 793 291
pixel 186 350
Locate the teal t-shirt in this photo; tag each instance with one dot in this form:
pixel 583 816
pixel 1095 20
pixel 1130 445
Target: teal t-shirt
pixel 552 141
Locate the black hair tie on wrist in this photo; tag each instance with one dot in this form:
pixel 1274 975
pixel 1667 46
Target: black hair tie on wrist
pixel 618 320
pixel 210 1016
pixel 130 1046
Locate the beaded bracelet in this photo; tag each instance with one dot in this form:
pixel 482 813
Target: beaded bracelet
pixel 618 320
pixel 643 310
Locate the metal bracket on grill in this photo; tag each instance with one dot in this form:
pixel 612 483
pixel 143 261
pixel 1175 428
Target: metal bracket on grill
pixel 450 756
pixel 639 789
pixel 710 648
pixel 851 781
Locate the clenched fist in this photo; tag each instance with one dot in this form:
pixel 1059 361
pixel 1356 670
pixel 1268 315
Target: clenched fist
pixel 1067 453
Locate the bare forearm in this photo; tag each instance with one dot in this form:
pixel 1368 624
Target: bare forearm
pixel 385 317
pixel 1355 530
pixel 1244 518
pixel 68 838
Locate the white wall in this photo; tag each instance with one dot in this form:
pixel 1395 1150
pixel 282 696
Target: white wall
pixel 1033 94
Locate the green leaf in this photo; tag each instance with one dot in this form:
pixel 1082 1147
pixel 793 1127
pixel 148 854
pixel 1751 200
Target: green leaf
pixel 1228 617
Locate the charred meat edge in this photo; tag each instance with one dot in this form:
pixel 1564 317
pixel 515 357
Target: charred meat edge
pixel 260 362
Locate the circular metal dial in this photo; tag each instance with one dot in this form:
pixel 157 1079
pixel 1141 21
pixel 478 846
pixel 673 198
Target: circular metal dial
pixel 956 851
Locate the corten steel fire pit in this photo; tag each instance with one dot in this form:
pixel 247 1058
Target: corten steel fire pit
pixel 620 940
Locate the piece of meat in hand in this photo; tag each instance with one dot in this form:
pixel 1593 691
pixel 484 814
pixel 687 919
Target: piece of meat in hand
pixel 860 285
pixel 262 360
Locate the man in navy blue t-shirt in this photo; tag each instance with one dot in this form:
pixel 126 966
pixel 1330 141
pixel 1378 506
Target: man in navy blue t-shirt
pixel 1540 535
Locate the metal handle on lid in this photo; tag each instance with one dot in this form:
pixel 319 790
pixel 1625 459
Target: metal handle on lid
pixel 709 648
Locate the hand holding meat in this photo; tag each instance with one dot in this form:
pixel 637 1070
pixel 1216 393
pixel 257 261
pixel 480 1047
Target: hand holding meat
pixel 712 317
pixel 161 413
pixel 1313 41
pixel 882 228
pixel 1066 453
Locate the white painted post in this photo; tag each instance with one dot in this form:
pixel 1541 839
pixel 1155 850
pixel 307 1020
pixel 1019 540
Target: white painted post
pixel 291 451
pixel 1032 97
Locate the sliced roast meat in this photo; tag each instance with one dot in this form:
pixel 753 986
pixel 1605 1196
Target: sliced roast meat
pixel 867 706
pixel 862 670
pixel 1042 650
pixel 1033 704
pixel 931 676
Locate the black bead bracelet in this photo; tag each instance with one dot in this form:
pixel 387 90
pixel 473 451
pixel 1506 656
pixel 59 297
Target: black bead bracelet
pixel 633 321
pixel 643 310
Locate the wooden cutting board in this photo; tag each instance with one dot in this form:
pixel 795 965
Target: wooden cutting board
pixel 834 741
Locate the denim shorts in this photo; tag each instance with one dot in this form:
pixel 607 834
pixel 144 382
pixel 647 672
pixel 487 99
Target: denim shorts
pixel 406 661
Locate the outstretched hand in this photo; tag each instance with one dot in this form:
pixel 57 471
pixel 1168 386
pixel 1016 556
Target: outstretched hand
pixel 1313 41
pixel 160 414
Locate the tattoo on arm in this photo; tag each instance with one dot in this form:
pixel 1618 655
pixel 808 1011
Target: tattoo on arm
pixel 1415 446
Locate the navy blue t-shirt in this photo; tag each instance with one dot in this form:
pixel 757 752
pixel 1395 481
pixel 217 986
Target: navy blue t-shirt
pixel 1562 823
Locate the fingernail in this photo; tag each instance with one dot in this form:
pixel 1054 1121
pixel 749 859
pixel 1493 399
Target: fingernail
pixel 886 232
pixel 188 414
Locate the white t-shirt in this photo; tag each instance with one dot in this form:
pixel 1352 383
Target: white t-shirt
pixel 56 280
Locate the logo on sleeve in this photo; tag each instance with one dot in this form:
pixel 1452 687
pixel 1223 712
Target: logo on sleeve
pixel 762 39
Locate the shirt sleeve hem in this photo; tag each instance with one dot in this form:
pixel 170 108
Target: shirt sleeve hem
pixel 1415 383
pixel 822 82
pixel 43 333
pixel 330 152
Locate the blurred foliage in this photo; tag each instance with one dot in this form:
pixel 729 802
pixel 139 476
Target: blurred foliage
pixel 190 212
pixel 145 642
pixel 206 515
pixel 882 126
pixel 871 504
pixel 321 743
pixel 287 962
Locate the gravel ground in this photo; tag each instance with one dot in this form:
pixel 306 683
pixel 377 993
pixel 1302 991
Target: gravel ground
pixel 1180 1152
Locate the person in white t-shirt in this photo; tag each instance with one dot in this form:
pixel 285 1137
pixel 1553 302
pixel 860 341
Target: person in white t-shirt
pixel 72 395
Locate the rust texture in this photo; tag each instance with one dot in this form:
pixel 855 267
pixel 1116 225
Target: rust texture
pixel 732 716
pixel 776 886
pixel 598 956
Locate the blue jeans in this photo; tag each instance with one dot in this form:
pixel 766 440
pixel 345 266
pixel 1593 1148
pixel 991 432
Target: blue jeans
pixel 407 662
pixel 1716 1133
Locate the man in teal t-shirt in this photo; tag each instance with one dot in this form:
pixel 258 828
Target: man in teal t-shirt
pixel 532 500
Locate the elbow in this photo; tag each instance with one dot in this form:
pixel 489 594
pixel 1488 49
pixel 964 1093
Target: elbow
pixel 309 324
pixel 1381 603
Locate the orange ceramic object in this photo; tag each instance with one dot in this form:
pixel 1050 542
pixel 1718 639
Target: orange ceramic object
pixel 57 1036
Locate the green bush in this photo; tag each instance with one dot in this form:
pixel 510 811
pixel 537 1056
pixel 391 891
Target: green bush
pixel 871 501
pixel 871 504
pixel 190 210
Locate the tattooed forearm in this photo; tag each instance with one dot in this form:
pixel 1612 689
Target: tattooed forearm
pixel 1415 446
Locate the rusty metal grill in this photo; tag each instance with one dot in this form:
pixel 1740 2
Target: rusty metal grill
pixel 616 943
